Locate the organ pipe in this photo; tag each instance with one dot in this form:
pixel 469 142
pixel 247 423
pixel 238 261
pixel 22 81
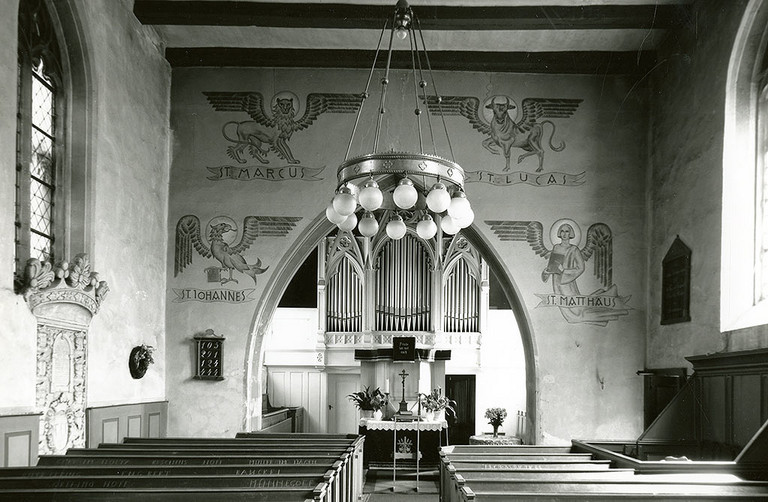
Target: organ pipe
pixel 403 290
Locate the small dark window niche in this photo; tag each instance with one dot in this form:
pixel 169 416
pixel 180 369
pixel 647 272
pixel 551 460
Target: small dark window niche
pixel 676 284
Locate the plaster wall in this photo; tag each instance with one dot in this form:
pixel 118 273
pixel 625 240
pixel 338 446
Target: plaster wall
pixel 686 170
pixel 17 370
pixel 586 384
pixel 128 205
pixel 130 201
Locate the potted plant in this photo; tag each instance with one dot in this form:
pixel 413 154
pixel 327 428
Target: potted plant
pixel 368 401
pixel 436 404
pixel 496 417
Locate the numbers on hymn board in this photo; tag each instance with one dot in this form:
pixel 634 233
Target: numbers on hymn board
pixel 209 359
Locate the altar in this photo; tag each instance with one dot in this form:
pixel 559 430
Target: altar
pixel 422 437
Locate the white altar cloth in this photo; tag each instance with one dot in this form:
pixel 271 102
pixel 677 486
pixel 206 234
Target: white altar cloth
pixel 389 425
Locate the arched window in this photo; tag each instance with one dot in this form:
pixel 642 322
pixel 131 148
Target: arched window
pixel 40 121
pixel 744 264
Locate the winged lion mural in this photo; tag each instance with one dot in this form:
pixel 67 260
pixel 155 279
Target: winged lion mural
pixel 271 131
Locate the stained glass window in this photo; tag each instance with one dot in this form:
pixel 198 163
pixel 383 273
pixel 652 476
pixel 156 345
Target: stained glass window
pixel 38 134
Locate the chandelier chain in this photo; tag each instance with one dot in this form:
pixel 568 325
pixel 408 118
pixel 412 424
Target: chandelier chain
pixel 364 95
pixel 417 111
pixel 434 86
pixel 384 86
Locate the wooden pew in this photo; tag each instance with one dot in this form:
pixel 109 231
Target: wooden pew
pixel 526 459
pixel 462 448
pixel 323 442
pixel 165 494
pixel 307 467
pixel 161 468
pixel 609 490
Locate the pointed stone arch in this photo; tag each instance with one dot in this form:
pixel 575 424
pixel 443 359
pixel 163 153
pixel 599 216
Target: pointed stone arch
pixel 283 272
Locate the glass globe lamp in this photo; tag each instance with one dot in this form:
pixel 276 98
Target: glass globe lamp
pixel 426 228
pixel 344 202
pixel 349 223
pixel 459 207
pixel 448 224
pixel 405 194
pixel 438 199
pixel 333 216
pixel 396 227
pixel 370 196
pixel 368 225
pixel 466 220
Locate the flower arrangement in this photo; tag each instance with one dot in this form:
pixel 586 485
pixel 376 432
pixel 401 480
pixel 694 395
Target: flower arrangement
pixel 436 401
pixel 368 400
pixel 496 417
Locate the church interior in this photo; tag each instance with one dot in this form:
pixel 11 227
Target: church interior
pixel 394 234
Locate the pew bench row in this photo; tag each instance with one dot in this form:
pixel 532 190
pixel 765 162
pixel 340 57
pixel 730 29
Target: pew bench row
pixel 496 473
pixel 256 467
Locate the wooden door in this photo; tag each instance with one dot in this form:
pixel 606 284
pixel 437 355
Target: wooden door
pixel 461 388
pixel 343 415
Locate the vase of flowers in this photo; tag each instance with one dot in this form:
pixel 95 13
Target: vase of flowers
pixel 436 404
pixel 368 401
pixel 496 417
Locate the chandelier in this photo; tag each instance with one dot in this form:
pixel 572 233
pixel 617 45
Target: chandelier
pixel 430 189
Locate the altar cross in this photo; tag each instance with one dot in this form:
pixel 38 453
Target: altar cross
pixel 403 403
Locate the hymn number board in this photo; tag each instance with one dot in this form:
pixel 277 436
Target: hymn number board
pixel 676 284
pixel 209 356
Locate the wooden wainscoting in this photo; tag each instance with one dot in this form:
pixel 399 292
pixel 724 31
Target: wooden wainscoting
pixel 110 424
pixel 19 437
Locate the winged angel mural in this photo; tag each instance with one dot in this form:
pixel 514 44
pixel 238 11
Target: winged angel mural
pixel 503 131
pixel 220 246
pixel 271 131
pixel 566 262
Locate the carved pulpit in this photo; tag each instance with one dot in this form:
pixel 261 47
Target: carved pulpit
pixel 63 298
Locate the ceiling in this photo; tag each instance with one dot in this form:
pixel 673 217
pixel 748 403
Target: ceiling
pixel 528 36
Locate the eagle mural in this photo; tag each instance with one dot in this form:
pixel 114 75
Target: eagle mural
pixel 566 262
pixel 271 131
pixel 188 236
pixel 504 133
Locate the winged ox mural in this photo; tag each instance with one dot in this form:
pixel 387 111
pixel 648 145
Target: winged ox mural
pixel 270 131
pixel 504 133
pixel 566 262
pixel 219 244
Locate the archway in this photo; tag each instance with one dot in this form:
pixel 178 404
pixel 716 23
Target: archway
pixel 273 291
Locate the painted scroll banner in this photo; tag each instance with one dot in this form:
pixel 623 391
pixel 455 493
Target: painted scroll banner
pixel 250 173
pixel 213 295
pixel 518 177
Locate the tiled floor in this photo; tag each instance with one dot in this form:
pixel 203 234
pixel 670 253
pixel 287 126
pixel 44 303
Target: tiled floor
pixel 379 483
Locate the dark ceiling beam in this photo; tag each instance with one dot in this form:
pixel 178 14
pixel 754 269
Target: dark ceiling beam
pixel 574 62
pixel 353 16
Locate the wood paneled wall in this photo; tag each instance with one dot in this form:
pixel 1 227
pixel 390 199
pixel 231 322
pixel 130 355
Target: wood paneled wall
pixel 110 424
pixel 721 408
pixel 300 387
pixel 19 435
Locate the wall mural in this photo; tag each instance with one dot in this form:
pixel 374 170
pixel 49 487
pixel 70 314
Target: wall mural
pixel 566 262
pixel 497 120
pixel 270 132
pixel 221 233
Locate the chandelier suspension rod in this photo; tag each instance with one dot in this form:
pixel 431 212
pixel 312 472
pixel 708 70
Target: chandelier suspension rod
pixel 384 84
pixel 423 87
pixel 417 111
pixel 364 95
pixel 434 86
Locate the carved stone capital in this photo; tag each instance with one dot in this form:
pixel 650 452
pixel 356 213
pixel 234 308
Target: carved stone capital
pixel 65 282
